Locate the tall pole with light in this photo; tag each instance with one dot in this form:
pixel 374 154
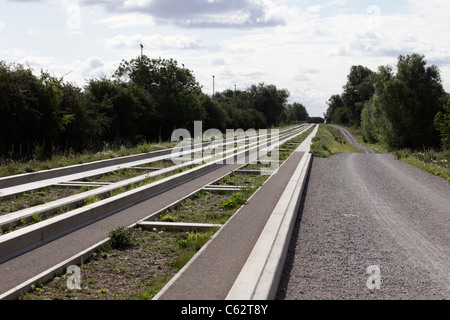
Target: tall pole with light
pixel 214 86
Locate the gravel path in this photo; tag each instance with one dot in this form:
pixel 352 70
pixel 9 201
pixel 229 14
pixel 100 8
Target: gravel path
pixel 363 210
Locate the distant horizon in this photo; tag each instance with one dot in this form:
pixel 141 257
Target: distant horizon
pixel 306 47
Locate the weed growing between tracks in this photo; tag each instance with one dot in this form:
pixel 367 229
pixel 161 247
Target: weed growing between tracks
pixel 136 272
pixel 207 207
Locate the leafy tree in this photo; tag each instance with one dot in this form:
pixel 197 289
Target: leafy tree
pixel 288 116
pixel 404 105
pixel 358 90
pixel 216 116
pixel 335 112
pixel 29 108
pixel 301 114
pixel 175 91
pixel 128 108
pixel 269 100
pixel 84 123
pixel 442 123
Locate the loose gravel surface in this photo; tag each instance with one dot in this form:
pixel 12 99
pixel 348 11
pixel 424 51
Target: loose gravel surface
pixel 363 210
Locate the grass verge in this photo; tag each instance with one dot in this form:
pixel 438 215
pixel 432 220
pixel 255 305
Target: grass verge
pixel 329 141
pixel 436 163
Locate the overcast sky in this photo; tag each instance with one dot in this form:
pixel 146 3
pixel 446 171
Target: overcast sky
pixel 305 46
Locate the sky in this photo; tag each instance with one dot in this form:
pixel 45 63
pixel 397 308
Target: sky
pixel 305 46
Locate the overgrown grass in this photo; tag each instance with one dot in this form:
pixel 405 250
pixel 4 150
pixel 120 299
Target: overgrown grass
pixel 377 146
pixel 436 163
pixel 329 141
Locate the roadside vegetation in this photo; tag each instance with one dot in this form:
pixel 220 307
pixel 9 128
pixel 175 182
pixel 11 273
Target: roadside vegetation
pixel 437 163
pixel 432 161
pixel 329 141
pixel 406 112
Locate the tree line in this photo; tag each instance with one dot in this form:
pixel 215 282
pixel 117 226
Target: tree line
pixel 408 108
pixel 144 100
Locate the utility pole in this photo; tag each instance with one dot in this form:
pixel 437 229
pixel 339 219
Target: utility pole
pixel 142 50
pixel 214 85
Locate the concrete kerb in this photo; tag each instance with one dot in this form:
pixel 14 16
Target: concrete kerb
pixel 260 276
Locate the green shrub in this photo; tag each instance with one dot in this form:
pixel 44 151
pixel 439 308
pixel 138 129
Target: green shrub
pixel 236 200
pixel 120 238
pixel 144 148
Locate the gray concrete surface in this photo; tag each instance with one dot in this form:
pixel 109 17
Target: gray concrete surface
pixel 363 210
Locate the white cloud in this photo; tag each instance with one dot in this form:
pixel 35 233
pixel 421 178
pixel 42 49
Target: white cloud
pixel 175 42
pixel 198 13
pixel 81 71
pixel 39 62
pixel 217 61
pixel 2 26
pixel 128 20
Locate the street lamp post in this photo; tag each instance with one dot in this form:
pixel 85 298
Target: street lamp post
pixel 214 86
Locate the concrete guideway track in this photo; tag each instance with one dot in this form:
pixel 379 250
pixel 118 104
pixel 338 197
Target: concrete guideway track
pixel 77 239
pixel 363 210
pixel 215 273
pixel 49 208
pixel 16 184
